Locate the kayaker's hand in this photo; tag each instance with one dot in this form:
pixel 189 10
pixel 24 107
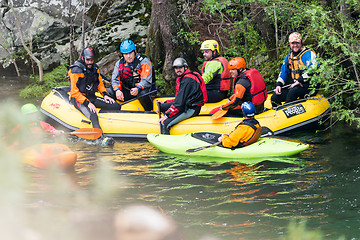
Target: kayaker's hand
pixel 163 119
pixel 119 95
pixel 278 90
pixel 220 138
pixel 159 102
pixel 134 91
pixel 92 107
pixel 108 99
pixel 58 132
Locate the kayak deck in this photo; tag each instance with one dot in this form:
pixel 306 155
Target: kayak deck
pixel 264 147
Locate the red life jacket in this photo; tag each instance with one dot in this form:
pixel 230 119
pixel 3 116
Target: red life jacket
pixel 197 77
pixel 258 90
pixel 129 74
pixel 220 82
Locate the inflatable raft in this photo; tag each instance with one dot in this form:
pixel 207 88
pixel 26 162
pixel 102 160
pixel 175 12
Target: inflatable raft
pixel 132 121
pixel 49 154
pixel 264 147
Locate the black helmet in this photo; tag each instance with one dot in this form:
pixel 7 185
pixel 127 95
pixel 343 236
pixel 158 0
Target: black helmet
pixel 88 53
pixel 179 62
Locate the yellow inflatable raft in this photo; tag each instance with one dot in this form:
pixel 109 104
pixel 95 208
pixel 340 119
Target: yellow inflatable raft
pixel 132 121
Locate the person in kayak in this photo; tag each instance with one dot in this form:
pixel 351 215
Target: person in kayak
pixel 249 86
pixel 189 97
pixel 132 76
pixel 215 72
pixel 295 70
pixel 85 81
pixel 246 132
pixel 37 126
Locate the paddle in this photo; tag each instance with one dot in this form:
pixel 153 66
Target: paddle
pixel 265 131
pixel 192 150
pixel 220 113
pixel 286 86
pixel 87 133
pixel 133 99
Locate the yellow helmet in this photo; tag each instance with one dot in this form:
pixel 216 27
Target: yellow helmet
pixel 210 44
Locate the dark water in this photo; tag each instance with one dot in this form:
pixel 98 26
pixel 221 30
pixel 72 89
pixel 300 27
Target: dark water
pixel 229 199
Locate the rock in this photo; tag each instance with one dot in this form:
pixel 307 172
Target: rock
pixel 46 24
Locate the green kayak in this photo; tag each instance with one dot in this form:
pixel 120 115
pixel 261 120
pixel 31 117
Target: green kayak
pixel 189 144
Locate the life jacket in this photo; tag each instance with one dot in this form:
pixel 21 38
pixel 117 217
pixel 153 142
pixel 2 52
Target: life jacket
pixel 129 73
pixel 296 65
pixel 258 90
pixel 90 83
pixel 197 77
pixel 257 131
pixel 220 82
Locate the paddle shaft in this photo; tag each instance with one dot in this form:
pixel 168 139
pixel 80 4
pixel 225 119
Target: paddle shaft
pixel 133 99
pixel 286 86
pixel 202 148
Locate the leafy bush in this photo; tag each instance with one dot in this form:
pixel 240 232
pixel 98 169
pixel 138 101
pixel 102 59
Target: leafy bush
pixel 55 78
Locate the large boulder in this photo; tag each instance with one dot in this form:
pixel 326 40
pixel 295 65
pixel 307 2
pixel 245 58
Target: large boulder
pixel 46 24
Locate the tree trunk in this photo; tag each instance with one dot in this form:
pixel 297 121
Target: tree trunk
pixel 162 44
pixel 18 25
pixel 265 27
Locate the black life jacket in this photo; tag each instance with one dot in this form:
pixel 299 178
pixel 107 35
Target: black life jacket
pixel 90 83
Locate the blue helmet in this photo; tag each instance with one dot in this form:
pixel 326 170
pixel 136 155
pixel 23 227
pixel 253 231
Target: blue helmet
pixel 127 46
pixel 248 109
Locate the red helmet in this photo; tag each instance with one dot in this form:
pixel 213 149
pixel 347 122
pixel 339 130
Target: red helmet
pixel 295 37
pixel 237 63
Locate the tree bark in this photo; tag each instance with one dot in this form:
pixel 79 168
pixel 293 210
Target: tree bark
pixel 162 43
pixel 18 25
pixel 265 27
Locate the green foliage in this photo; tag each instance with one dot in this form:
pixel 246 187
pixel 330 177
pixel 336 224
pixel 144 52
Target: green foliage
pixel 327 27
pixel 53 79
pixel 190 37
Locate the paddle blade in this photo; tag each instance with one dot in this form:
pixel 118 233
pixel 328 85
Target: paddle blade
pixel 214 110
pixel 265 131
pixel 218 114
pixel 88 133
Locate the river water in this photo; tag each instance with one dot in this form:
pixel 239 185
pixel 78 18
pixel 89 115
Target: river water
pixel 225 199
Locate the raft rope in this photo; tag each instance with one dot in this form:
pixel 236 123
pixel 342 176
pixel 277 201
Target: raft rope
pixel 72 108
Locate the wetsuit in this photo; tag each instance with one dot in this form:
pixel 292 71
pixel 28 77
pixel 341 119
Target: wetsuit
pixel 295 68
pixel 189 97
pixel 84 82
pixel 246 133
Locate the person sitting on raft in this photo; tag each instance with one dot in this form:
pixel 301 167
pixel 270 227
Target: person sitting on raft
pixel 249 86
pixel 189 97
pixel 246 132
pixel 85 81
